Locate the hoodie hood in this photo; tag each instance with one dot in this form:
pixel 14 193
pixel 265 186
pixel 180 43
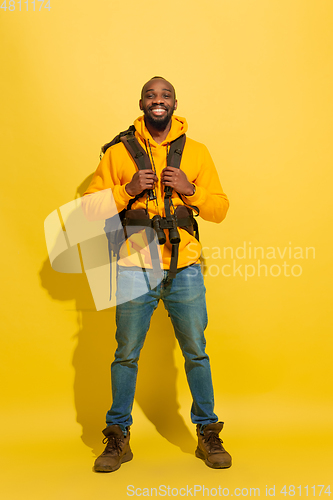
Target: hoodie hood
pixel 178 127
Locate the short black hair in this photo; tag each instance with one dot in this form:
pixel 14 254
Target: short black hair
pixel 159 78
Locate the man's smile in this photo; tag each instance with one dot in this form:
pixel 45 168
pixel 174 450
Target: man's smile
pixel 158 110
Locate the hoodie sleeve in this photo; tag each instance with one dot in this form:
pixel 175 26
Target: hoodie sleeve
pixel 209 196
pixel 106 194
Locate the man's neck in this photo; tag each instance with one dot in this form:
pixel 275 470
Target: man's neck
pixel 158 135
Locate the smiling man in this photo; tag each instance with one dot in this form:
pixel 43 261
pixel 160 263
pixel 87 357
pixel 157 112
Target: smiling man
pixel 163 196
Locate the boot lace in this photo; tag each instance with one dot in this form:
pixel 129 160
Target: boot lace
pixel 113 445
pixel 214 442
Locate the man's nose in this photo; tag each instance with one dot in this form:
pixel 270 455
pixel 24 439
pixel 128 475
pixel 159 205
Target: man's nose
pixel 158 100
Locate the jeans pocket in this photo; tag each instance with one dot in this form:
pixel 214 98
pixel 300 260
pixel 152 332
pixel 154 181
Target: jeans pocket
pixel 131 284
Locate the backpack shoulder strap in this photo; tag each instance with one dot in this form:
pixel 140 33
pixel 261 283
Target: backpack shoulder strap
pixel 176 151
pixel 174 158
pixel 140 157
pixel 127 137
pixel 137 152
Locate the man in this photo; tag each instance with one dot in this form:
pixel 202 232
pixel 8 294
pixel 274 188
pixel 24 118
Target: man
pixel 194 184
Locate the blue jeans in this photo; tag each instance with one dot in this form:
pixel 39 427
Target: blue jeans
pixel 184 299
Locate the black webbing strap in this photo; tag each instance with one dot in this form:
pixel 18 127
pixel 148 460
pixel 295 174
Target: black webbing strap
pixel 173 160
pixel 165 224
pixel 155 258
pixel 173 261
pixel 193 207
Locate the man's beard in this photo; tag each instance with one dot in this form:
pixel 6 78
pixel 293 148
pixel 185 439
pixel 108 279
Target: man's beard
pixel 158 123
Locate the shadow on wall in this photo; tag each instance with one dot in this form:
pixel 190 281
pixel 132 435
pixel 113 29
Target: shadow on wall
pixel 92 357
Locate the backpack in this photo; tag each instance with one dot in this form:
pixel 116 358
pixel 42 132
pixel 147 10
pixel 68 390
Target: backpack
pixel 119 227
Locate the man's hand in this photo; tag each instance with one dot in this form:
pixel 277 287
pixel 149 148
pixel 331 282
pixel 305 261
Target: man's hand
pixel 176 178
pixel 141 180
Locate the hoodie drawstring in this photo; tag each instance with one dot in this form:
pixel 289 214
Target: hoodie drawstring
pixel 154 170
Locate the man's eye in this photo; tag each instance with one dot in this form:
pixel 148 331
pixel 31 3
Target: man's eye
pixel 166 96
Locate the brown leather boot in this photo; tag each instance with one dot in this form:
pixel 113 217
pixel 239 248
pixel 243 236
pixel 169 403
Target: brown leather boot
pixel 117 450
pixel 210 447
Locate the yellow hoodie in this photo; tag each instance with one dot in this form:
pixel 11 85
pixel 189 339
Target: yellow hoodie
pixel 116 170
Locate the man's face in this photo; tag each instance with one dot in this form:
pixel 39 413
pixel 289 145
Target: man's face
pixel 158 103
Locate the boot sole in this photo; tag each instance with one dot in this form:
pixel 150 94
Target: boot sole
pixel 201 455
pixel 126 458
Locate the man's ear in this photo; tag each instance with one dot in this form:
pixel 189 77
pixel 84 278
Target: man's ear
pixel 175 105
pixel 140 104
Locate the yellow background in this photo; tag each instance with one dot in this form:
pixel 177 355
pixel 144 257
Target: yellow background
pixel 254 80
